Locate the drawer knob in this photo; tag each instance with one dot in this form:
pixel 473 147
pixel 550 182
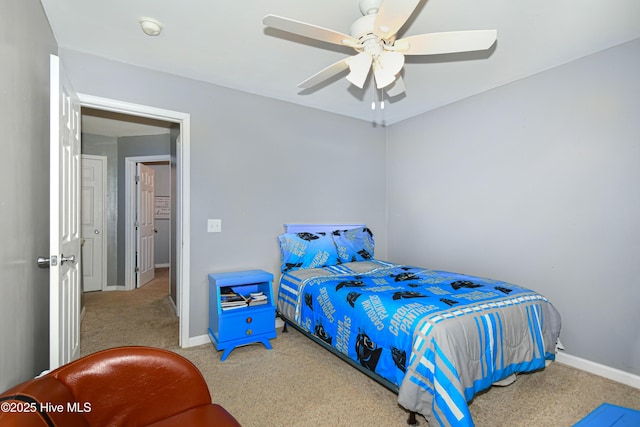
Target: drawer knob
pixel 249 331
pixel 249 320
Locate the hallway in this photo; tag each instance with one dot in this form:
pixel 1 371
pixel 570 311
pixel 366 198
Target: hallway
pixel 144 316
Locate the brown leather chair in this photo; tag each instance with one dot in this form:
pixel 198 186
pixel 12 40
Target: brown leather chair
pixel 124 386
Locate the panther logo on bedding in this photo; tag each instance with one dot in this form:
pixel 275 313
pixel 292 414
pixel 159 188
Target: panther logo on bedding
pixel 449 302
pixel 352 297
pixel 464 284
pixel 364 254
pixel 367 351
pixel 408 294
pixel 322 334
pixel 364 230
pixel 308 236
pixel 404 277
pixel 291 266
pixel 399 358
pixel 350 284
pixel 308 300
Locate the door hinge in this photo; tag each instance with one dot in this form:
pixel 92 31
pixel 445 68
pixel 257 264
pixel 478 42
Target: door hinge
pixel 137 179
pixel 137 269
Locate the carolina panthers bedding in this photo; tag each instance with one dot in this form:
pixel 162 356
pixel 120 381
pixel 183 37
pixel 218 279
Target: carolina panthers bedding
pixel 439 337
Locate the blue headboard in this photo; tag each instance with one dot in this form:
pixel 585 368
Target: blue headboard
pixel 317 228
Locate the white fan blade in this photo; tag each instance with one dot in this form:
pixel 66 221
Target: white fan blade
pixel 308 30
pixel 359 66
pixel 325 74
pixel 386 66
pixel 396 88
pixel 450 42
pixel 391 17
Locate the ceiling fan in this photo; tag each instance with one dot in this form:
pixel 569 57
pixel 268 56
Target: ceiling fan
pixel 373 36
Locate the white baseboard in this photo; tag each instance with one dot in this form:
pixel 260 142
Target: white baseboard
pixel 165 265
pixel 173 305
pixel 599 369
pixel 196 341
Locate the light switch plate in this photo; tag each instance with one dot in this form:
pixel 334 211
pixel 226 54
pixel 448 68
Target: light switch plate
pixel 214 225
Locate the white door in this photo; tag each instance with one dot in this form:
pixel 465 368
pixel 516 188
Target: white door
pixel 145 196
pixel 64 235
pixel 94 254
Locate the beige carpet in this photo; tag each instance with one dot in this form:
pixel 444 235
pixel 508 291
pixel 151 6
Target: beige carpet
pixel 143 316
pixel 300 384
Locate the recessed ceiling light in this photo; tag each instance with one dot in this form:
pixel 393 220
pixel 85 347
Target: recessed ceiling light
pixel 150 26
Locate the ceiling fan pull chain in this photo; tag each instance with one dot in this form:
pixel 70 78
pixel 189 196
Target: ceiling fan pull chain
pixel 373 97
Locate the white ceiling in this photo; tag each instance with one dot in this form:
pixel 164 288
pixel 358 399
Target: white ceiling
pixel 107 123
pixel 225 43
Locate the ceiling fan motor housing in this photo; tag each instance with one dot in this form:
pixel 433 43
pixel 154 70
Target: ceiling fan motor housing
pixel 368 7
pixel 362 28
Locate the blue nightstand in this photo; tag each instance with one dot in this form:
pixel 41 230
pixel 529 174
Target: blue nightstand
pixel 233 326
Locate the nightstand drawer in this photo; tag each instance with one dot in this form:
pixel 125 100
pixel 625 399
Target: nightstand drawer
pixel 246 322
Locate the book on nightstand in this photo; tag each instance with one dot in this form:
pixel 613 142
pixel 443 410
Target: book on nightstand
pixel 257 298
pixel 230 299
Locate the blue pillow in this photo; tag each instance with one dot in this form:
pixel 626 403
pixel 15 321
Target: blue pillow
pixel 356 244
pixel 306 250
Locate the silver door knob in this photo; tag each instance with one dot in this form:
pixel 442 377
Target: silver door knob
pixel 70 258
pixel 43 262
pixel 96 231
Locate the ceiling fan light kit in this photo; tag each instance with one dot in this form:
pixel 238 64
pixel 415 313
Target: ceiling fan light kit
pixel 373 36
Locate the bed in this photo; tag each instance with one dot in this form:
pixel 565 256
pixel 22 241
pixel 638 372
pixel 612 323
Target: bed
pixel 436 338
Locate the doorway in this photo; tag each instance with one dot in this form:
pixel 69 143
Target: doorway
pixel 163 216
pixel 179 131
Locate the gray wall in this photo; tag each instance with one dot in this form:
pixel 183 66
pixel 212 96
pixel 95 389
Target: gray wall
pixel 256 163
pixel 25 46
pixel 537 183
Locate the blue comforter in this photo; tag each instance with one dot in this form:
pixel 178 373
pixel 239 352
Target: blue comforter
pixel 440 337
